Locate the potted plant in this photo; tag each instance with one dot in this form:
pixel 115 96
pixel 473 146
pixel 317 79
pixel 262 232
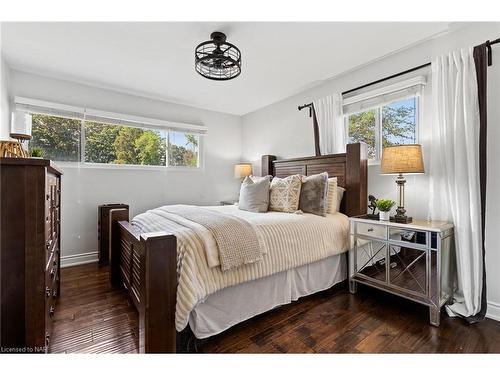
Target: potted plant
pixel 36 152
pixel 384 206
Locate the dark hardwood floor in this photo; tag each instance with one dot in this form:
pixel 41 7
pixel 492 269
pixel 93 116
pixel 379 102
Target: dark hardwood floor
pixel 93 318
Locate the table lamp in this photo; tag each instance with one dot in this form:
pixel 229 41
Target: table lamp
pixel 242 170
pixel 401 160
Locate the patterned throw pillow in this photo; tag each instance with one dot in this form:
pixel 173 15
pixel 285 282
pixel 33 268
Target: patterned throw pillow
pixel 285 193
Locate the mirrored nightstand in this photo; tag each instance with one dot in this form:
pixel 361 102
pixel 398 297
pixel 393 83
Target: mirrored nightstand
pixel 414 261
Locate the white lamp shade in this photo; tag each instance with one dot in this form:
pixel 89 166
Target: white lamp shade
pixel 20 125
pixel 242 170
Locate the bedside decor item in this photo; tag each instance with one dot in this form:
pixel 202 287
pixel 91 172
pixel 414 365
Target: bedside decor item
pixel 12 149
pixel 217 59
pixel 36 152
pixel 20 129
pixel 372 206
pixel 384 206
pixel 242 170
pixel 401 160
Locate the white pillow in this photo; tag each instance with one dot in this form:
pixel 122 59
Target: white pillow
pixel 334 197
pixel 331 198
pixel 260 178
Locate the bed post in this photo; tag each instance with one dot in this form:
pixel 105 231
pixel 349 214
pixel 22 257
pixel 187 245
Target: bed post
pixel 115 216
pixel 356 179
pixel 267 165
pixel 158 274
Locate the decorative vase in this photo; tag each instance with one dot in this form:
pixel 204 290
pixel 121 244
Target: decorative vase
pixel 384 215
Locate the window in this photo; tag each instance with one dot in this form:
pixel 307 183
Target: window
pixel 183 149
pixel 384 116
pixel 116 144
pixel 58 137
pixel 73 136
pixel 388 125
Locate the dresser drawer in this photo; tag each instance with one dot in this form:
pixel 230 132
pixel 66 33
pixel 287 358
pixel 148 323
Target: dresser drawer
pixel 371 230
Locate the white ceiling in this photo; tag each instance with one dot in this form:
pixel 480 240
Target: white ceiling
pixel 157 59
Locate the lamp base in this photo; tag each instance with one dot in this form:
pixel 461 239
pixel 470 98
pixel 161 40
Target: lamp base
pixel 401 219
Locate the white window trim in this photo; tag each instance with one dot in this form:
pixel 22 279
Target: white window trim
pixel 141 122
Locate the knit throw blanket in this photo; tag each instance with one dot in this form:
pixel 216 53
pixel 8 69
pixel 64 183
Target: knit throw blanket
pixel 236 238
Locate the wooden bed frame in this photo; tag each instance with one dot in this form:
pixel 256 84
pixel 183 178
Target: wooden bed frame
pixel 146 263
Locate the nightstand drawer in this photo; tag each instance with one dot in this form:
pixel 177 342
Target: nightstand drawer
pixel 371 230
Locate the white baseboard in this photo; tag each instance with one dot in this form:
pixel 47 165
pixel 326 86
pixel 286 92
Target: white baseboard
pixel 493 311
pixel 77 259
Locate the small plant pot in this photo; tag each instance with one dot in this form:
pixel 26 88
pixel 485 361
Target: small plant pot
pixel 384 215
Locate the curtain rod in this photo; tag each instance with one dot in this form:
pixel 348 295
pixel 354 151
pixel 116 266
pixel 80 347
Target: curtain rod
pixel 387 78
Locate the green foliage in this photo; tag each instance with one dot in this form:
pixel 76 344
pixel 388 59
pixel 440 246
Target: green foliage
pixel 105 143
pixel 36 152
pixel 384 205
pixel 362 129
pixel 58 137
pixel 99 142
pixel 398 126
pixel 150 148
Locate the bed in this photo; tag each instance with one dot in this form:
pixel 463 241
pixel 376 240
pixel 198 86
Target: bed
pixel 166 267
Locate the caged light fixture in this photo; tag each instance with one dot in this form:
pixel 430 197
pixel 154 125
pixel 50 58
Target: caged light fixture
pixel 217 59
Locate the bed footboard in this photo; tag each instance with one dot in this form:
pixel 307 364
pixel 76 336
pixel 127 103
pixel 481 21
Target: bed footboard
pixel 146 265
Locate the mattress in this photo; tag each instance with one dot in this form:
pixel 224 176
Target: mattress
pixel 238 303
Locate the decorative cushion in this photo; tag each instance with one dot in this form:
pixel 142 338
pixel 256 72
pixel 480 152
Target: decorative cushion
pixel 340 195
pixel 332 196
pixel 254 196
pixel 285 193
pixel 313 194
pixel 259 178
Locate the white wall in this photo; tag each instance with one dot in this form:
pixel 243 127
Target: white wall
pixel 85 188
pixel 4 100
pixel 280 129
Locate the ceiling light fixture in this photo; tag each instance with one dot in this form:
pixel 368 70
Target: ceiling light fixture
pixel 217 59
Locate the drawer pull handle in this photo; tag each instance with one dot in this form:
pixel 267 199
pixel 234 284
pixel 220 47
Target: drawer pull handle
pixel 54 294
pixel 370 229
pixel 53 271
pixel 47 291
pixel 47 244
pixel 47 339
pixel 51 311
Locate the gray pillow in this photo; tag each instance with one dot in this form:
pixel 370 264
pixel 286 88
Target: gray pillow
pixel 254 196
pixel 313 194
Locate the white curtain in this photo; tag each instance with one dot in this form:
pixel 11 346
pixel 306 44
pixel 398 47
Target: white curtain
pixel 332 137
pixel 454 171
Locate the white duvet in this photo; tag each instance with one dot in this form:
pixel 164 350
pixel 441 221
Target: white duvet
pixel 292 240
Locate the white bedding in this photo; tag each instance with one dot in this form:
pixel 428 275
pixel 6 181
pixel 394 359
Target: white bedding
pixel 292 240
pixel 235 304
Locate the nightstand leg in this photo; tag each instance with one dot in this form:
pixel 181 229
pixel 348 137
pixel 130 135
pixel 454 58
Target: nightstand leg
pixel 434 316
pixel 353 286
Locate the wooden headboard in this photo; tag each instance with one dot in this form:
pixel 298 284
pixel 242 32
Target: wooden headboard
pixel 350 168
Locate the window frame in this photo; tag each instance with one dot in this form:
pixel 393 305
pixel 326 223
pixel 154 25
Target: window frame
pixel 378 125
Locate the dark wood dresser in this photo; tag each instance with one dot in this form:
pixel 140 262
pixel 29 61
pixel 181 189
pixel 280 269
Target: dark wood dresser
pixel 30 212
